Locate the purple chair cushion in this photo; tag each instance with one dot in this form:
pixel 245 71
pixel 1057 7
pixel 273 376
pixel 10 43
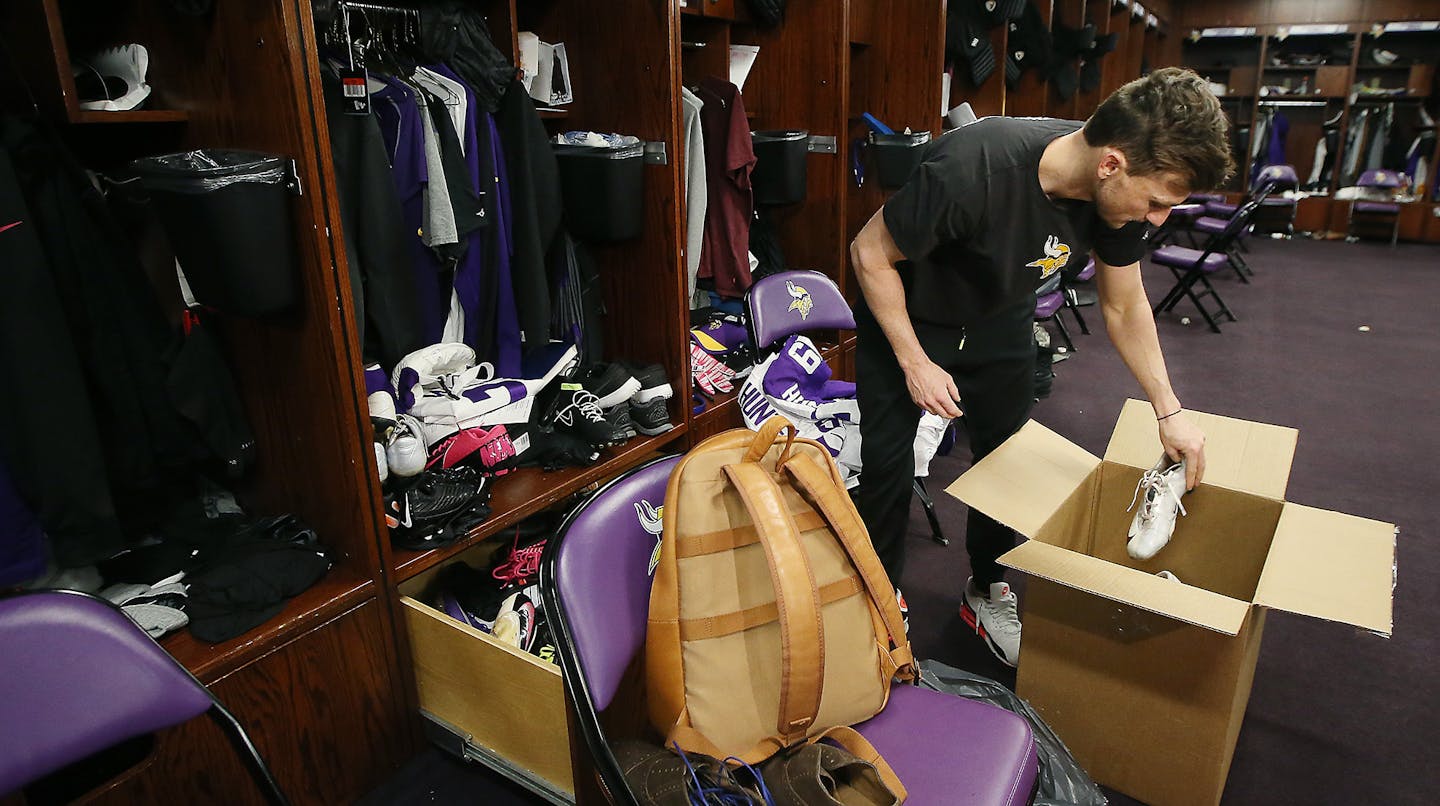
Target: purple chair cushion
pixel 1380 178
pixel 1209 226
pixel 792 302
pixel 1187 210
pixel 1221 209
pixel 947 749
pixel 1185 258
pixel 1088 272
pixel 602 570
pixel 1387 208
pixel 1280 175
pixel 1047 304
pixel 79 676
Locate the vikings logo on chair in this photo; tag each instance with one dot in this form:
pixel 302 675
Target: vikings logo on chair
pixel 1056 256
pixel 801 302
pixel 653 521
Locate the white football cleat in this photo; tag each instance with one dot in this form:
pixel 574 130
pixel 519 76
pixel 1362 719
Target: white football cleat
pixel 1159 494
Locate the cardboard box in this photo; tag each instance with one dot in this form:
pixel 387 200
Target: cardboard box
pixel 1146 680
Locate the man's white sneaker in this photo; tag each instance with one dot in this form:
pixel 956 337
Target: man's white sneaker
pixel 995 618
pixel 1158 494
pixel 406 453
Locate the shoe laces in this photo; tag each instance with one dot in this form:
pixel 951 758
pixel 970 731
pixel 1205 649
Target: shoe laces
pixel 522 564
pixel 1005 615
pixel 583 401
pixel 1155 486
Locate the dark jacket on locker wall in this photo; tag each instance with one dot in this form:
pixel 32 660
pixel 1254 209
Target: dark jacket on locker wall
pixel 535 208
pixel 93 369
pixel 381 283
pixel 55 453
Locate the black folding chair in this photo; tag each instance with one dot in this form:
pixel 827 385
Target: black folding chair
pixel 1192 266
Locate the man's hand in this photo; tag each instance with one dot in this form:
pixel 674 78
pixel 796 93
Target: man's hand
pixel 933 389
pixel 1184 440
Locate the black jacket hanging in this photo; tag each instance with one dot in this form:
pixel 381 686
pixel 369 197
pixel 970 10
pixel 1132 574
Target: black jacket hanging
pixel 382 283
pixel 60 472
pixel 534 208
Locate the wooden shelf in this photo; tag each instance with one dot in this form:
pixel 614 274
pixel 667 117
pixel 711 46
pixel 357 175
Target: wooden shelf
pixel 339 590
pixel 553 114
pixel 525 492
pixel 132 116
pixel 718 407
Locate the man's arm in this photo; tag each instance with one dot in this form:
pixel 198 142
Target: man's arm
pixel 1131 326
pixel 874 255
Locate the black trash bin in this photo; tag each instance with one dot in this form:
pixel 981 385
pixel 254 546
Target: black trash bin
pixel 780 166
pixel 228 219
pixel 896 156
pixel 602 190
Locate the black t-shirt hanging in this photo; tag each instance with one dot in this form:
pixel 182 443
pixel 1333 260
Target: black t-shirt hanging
pixel 979 233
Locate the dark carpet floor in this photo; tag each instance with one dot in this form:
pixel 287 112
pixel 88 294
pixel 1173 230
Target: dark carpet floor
pixel 1337 715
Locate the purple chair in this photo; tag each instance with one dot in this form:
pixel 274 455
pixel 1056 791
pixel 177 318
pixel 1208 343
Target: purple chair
pixel 1048 305
pixel 1071 289
pixel 1192 266
pixel 595 584
pixel 1182 217
pixel 1377 211
pixel 79 676
pixel 789 302
pixel 1276 213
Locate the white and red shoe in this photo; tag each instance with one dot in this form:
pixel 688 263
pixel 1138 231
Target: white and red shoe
pixel 995 618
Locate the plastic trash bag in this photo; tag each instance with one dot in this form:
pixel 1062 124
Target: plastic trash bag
pixel 1061 780
pixel 206 170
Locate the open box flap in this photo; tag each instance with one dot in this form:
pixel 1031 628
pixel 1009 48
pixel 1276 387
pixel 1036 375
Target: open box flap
pixel 1332 566
pixel 1026 479
pixel 1186 603
pixel 1239 455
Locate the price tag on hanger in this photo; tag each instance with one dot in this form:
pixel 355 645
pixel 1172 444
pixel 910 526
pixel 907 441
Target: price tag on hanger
pixel 355 85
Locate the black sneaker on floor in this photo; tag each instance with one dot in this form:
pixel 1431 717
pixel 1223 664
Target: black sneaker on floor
pixel 612 384
pixel 574 411
pixel 652 417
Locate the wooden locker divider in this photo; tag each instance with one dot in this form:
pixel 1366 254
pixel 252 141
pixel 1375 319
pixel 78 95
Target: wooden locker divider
pixel 1031 96
pixel 1072 14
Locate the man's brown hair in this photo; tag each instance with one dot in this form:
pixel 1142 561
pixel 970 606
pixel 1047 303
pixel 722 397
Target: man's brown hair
pixel 1168 121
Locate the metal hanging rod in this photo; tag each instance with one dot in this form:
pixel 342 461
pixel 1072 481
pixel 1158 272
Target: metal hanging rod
pixel 1293 103
pixel 355 4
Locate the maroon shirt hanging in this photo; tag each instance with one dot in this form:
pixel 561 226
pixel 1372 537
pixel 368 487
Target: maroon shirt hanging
pixel 729 158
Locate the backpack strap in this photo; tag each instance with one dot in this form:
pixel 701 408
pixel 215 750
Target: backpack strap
pixel 845 522
pixel 766 436
pixel 861 748
pixel 802 642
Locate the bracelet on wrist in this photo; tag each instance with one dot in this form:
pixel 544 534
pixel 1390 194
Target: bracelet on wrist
pixel 1168 416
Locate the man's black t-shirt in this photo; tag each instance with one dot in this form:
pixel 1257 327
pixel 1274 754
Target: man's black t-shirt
pixel 979 233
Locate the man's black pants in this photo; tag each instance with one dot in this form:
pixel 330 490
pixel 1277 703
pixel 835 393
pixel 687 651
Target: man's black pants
pixel 994 371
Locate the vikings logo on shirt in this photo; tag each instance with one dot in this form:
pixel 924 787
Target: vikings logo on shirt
pixel 1056 256
pixel 652 520
pixel 801 302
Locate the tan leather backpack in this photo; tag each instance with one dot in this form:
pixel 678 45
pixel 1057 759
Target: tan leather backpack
pixel 772 622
